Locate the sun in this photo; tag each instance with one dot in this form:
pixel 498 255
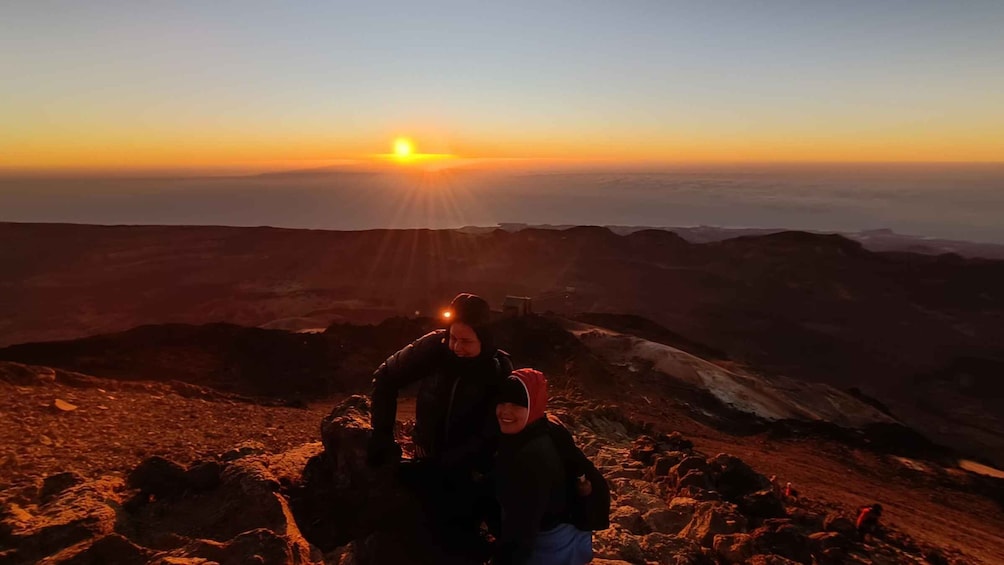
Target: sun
pixel 403 148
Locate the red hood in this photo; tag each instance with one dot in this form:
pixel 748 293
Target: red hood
pixel 536 391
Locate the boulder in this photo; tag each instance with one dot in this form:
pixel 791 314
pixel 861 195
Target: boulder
pixel 734 478
pixel 762 505
pixel 676 442
pixel 670 519
pixel 711 519
pixel 158 477
pixel 694 479
pixel 733 548
pixel 367 499
pixel 669 549
pixel 643 501
pixel 260 547
pixel 628 518
pixel 246 500
pixel 835 522
pixel 54 485
pixel 112 548
pixel 688 464
pixel 77 515
pixel 644 449
pixel 345 433
pixel 661 466
pixel 782 538
pixel 203 476
pixel 615 543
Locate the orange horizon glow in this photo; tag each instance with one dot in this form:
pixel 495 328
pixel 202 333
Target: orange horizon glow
pixel 236 159
pixel 92 154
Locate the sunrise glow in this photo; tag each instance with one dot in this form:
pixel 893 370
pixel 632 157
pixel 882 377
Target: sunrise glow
pixel 403 148
pixel 795 85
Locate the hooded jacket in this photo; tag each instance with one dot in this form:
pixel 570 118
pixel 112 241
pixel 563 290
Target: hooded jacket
pixel 455 422
pixel 530 478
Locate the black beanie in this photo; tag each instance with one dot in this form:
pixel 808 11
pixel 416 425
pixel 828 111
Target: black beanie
pixel 472 310
pixel 513 391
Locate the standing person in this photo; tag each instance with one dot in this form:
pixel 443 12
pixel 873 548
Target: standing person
pixel 455 435
pixel 531 482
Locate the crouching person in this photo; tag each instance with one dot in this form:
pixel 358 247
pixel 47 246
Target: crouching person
pixel 531 481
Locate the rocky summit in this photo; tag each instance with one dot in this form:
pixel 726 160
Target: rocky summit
pixel 319 503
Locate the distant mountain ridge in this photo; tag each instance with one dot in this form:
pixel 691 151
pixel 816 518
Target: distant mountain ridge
pixel 795 304
pixel 873 240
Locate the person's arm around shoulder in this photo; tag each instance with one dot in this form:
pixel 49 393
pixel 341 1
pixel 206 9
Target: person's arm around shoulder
pixel 410 364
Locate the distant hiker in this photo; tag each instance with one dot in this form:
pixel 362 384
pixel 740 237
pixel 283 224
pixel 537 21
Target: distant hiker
pixel 789 492
pixel 460 371
pixel 868 520
pixel 532 482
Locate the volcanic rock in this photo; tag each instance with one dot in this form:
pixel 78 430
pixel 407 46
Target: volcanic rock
pixel 63 406
pixel 841 524
pixel 158 477
pixel 711 519
pixel 733 548
pixel 692 463
pixel 203 476
pixel 665 548
pixel 644 449
pixel 628 518
pixel 671 519
pixel 784 539
pixel 616 543
pixel 79 514
pixel 694 479
pixel 112 548
pixel 734 478
pixel 762 505
pixel 676 442
pixel 55 484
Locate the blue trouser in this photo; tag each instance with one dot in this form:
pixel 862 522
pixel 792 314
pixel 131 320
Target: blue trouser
pixel 563 545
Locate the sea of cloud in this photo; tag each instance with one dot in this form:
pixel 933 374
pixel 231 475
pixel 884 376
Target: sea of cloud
pixel 949 201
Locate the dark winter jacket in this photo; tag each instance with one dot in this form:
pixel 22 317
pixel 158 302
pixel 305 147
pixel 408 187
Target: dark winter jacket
pixel 531 490
pixel 455 423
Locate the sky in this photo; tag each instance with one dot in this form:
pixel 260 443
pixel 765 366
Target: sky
pixel 183 87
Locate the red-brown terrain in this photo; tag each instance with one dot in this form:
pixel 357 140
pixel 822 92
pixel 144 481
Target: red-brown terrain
pixel 858 376
pixel 922 334
pixel 936 512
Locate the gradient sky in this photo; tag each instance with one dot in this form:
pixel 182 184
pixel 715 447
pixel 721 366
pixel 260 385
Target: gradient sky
pixel 189 85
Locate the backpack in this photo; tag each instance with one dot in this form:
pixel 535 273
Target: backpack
pixel 590 512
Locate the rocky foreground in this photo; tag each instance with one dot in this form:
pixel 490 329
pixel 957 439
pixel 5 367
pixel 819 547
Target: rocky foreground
pixel 318 503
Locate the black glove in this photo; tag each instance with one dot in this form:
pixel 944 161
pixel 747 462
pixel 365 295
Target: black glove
pixel 381 450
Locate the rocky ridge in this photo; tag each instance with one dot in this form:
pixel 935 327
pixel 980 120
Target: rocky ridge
pixel 319 503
